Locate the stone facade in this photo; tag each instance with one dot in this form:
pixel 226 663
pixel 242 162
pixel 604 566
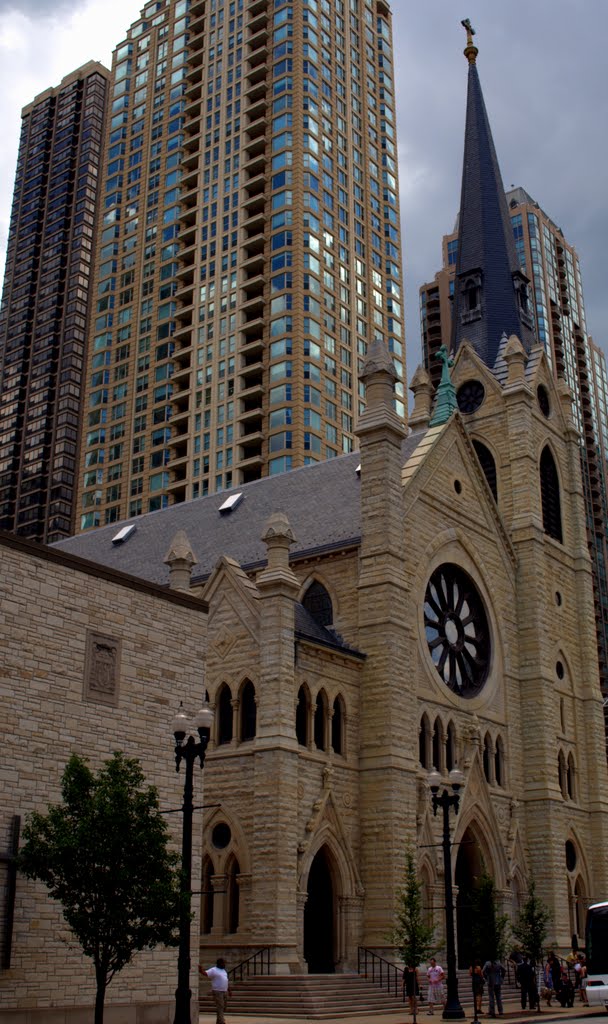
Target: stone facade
pixel 92 662
pixel 310 823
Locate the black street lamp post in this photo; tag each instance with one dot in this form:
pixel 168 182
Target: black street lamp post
pixel 452 1010
pixel 187 750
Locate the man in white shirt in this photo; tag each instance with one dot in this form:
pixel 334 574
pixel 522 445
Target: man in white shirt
pixel 220 987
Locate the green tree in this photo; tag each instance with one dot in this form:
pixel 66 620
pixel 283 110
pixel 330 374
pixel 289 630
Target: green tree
pixel 103 855
pixel 530 929
pixel 489 928
pixel 412 936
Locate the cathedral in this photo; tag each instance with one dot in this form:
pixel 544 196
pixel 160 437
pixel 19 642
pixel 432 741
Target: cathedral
pixel 425 602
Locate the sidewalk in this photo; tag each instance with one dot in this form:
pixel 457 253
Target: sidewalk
pixel 513 1014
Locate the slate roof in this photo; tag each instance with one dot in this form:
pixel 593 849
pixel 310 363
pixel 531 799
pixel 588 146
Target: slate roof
pixel 321 501
pixel 485 238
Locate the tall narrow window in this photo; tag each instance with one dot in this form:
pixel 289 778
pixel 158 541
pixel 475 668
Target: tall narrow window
pixel 438 745
pixel 320 720
pixel 450 747
pixel 561 771
pixel 248 711
pixel 499 762
pixel 337 726
pixel 571 778
pixel 549 493
pixel 424 743
pixel 302 717
pixel 487 757
pixel 225 715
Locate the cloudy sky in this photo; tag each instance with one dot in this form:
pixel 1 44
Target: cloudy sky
pixel 543 69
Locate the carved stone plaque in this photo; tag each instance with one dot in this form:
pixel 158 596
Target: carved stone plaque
pixel 102 669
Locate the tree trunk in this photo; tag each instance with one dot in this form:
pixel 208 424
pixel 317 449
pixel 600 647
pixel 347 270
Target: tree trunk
pixel 100 996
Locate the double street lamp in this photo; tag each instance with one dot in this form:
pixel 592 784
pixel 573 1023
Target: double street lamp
pixel 452 1010
pixel 188 750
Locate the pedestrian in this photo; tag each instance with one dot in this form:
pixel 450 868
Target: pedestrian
pixel 526 979
pixel 584 981
pixel 220 988
pixel 435 975
pixel 411 988
pixel 477 982
pixel 494 972
pixel 556 972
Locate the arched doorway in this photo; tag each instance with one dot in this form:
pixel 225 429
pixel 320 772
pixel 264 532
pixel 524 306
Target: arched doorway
pixel 319 917
pixel 469 869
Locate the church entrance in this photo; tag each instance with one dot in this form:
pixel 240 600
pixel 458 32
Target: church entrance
pixel 469 869
pixel 319 917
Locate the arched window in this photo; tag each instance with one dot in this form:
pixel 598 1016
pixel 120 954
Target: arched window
pixel 571 778
pixel 337 726
pixel 302 717
pixel 438 745
pixel 424 743
pixel 224 724
pixel 207 897
pixel 232 918
pixel 487 757
pixel 320 720
pixel 248 711
pixel 499 762
pixel 486 460
pixel 549 493
pixel 561 770
pixel 317 602
pixel 450 747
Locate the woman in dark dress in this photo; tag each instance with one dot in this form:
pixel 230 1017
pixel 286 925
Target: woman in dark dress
pixel 411 988
pixel 477 982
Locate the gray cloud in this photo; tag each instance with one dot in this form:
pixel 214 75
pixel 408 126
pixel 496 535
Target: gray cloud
pixel 35 8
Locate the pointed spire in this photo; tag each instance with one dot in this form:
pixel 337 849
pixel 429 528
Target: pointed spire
pixel 490 292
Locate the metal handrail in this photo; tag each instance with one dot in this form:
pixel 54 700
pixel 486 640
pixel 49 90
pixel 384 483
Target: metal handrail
pixel 249 966
pixel 383 972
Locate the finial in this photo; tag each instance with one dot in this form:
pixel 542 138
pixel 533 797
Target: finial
pixel 470 50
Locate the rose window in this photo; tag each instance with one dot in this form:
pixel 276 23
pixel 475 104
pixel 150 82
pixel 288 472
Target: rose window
pixel 457 630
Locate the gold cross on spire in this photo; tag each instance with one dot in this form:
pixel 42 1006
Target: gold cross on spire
pixel 470 50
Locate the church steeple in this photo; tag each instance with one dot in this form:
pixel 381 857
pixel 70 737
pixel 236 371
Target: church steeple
pixel 490 290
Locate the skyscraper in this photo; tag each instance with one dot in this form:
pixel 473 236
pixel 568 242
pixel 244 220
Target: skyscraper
pixel 43 319
pixel 250 247
pixel 549 266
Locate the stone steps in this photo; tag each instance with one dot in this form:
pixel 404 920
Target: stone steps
pixel 321 996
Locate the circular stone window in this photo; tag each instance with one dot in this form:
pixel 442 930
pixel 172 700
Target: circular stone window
pixel 543 400
pixel 457 630
pixel 470 395
pixel 221 836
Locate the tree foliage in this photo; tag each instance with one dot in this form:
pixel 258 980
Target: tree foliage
pixel 103 855
pixel 412 936
pixel 489 927
pixel 530 929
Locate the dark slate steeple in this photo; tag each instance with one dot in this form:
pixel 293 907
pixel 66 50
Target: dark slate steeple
pixel 491 292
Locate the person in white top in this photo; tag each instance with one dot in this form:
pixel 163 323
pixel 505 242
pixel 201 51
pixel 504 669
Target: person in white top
pixel 435 976
pixel 220 988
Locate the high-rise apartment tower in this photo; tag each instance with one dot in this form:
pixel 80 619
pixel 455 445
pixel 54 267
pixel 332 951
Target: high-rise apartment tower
pixel 552 268
pixel 43 320
pixel 249 249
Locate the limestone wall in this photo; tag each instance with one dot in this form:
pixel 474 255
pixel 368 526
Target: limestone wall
pixel 91 663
